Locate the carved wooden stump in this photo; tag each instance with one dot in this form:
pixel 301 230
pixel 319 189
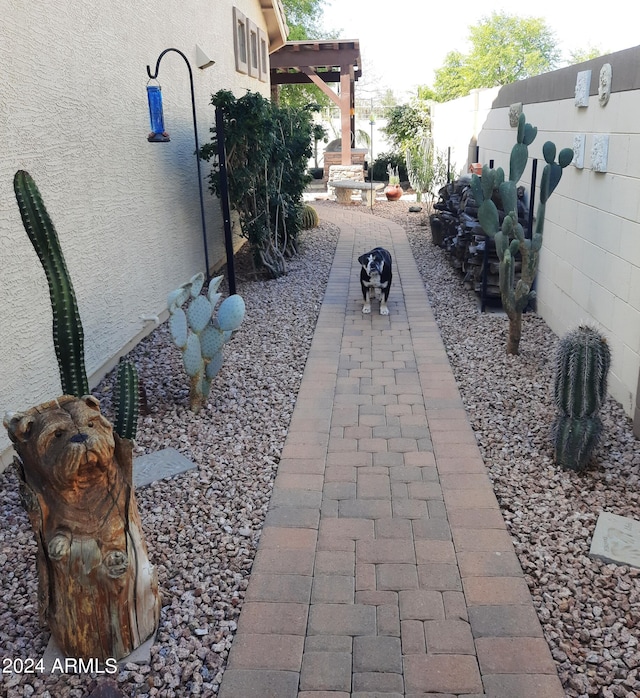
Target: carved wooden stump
pixel 97 590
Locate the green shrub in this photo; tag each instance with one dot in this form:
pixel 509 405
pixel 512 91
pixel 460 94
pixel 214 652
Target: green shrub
pixel 268 149
pixel 380 164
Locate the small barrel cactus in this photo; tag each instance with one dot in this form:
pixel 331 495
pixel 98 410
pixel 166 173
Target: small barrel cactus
pixel 199 336
pixel 582 366
pixel 309 217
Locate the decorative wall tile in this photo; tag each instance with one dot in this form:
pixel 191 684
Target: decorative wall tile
pixel 578 150
pixel 514 114
pixel 600 153
pixel 604 84
pixel 583 83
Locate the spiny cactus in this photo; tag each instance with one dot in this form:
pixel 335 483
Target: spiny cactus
pixel 582 367
pixel 509 237
pixel 68 336
pixel 199 336
pixel 583 360
pixel 126 400
pixel 309 217
pixel 575 441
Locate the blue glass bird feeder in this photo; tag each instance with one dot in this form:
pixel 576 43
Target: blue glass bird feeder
pixel 156 116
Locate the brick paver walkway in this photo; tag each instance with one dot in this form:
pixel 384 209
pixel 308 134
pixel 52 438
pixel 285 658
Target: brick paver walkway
pixel 384 569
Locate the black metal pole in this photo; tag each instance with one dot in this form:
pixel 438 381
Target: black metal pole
pixel 195 133
pixel 449 165
pixel 485 271
pixel 532 198
pixel 224 199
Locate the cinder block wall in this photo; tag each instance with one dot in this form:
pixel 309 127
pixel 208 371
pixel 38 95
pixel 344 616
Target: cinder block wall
pixel 590 262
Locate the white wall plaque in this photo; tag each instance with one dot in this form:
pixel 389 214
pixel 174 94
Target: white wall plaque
pixel 604 84
pixel 600 153
pixel 578 150
pixel 583 83
pixel 514 114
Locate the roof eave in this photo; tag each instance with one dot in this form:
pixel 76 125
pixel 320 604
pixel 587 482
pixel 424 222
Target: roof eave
pixel 277 28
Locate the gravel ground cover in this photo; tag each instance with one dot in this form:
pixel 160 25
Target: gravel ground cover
pixel 203 526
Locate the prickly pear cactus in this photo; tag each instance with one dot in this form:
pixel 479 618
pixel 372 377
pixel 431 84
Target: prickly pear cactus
pixel 509 237
pixel 583 360
pixel 200 336
pixel 231 313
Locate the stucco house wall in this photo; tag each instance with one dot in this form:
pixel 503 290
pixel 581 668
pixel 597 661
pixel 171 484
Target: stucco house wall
pixel 73 113
pixel 590 261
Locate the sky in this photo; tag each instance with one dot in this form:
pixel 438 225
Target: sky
pixel 402 42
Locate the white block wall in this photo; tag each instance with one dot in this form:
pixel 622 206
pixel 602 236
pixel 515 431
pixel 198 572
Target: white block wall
pixel 590 262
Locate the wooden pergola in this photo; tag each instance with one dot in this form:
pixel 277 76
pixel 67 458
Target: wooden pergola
pixel 323 62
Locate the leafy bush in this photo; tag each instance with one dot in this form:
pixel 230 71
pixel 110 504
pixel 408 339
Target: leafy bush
pixel 381 163
pixel 427 168
pixel 267 149
pixel 406 123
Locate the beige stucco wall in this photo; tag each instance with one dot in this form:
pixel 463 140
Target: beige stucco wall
pixel 73 113
pixel 590 262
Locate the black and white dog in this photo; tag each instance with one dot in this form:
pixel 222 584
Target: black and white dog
pixel 375 277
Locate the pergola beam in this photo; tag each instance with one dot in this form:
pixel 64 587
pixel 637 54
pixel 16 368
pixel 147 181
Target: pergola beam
pixel 297 62
pixel 316 80
pixel 296 78
pixel 284 58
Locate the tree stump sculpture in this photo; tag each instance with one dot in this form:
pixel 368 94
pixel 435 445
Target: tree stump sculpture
pixel 97 590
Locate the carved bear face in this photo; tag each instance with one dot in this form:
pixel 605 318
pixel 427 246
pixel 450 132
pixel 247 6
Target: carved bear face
pixel 68 439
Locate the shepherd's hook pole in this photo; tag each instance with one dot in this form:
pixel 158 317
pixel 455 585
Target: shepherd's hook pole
pixel 195 133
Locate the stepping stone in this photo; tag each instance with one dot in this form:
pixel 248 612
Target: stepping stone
pixel 159 465
pixel 616 539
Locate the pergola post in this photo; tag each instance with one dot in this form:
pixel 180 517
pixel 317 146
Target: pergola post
pixel 346 121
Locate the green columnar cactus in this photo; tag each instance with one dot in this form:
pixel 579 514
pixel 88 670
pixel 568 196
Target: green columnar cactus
pixel 68 336
pixel 199 336
pixel 583 360
pixel 509 237
pixel 309 217
pixel 582 367
pixel 575 441
pixel 127 400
